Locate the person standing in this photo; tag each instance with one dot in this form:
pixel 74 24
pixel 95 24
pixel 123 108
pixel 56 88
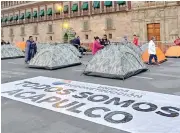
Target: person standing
pixel 125 40
pixel 152 51
pixel 30 49
pixel 96 45
pixel 177 41
pixel 135 40
pixel 105 41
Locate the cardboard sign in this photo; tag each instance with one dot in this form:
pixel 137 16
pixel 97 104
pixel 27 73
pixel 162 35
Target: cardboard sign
pixel 121 108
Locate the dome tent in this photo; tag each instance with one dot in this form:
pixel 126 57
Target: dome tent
pixel 173 52
pixel 54 57
pixel 115 61
pixel 135 48
pixel 145 55
pixel 72 48
pixel 41 46
pixel 10 52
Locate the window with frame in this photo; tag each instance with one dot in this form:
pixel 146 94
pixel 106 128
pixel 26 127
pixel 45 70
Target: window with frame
pixel 109 23
pixel 36 38
pixel 11 32
pixel 86 25
pixel 86 36
pixel 50 28
pixel 22 30
pixel 2 32
pixel 50 38
pixel 110 36
pixel 35 29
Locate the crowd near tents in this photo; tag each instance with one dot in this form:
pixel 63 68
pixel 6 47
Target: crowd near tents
pixel 117 60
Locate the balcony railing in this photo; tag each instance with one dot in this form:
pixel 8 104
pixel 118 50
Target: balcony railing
pixel 68 15
pixel 152 4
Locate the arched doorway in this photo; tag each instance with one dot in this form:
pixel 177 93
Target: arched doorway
pixel 65 38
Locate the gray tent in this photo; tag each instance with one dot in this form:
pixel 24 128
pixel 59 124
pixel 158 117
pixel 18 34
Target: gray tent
pixel 144 47
pixel 41 46
pixel 73 49
pixel 54 57
pixel 115 61
pixel 10 52
pixel 132 46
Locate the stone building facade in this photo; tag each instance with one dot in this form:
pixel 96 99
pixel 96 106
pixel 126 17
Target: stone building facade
pixel 53 21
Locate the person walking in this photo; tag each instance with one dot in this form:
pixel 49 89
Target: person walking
pixel 135 40
pixel 30 49
pixel 152 51
pixel 96 46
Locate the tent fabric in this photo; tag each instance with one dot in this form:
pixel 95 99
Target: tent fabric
pixel 41 46
pixel 72 48
pixel 10 52
pixel 54 57
pixel 173 52
pixel 69 46
pixel 115 61
pixel 133 47
pixel 21 45
pixel 160 55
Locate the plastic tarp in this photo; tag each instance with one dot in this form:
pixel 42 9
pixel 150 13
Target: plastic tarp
pixel 9 51
pixel 173 52
pixel 115 61
pixel 54 57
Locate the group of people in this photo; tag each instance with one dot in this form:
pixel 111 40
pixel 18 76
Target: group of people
pixel 101 43
pixel 98 44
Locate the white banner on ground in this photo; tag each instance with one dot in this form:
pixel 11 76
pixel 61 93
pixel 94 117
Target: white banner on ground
pixel 121 108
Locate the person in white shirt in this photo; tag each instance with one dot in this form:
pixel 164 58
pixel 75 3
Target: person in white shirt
pixel 152 51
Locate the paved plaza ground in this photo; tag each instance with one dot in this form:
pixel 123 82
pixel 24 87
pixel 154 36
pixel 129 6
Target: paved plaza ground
pixel 19 117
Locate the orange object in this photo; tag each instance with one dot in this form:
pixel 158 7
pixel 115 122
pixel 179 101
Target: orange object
pixel 21 45
pixel 90 46
pixel 160 55
pixel 173 52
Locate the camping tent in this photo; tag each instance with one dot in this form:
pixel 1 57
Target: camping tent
pixel 41 46
pixel 115 61
pixel 132 46
pixel 72 48
pixel 54 57
pixel 145 56
pixel 11 51
pixel 21 45
pixel 173 51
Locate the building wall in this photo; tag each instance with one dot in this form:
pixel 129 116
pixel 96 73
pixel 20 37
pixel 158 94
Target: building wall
pixel 124 23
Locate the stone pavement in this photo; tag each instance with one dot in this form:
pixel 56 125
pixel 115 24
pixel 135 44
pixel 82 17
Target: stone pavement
pixel 23 118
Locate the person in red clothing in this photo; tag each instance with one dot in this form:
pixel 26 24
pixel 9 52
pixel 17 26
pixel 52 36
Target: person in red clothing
pixel 135 40
pixel 96 45
pixel 177 41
